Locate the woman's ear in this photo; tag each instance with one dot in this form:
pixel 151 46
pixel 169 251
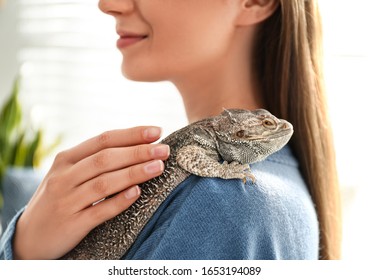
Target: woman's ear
pixel 252 12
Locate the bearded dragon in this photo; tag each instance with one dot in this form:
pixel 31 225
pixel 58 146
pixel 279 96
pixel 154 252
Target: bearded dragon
pixel 222 146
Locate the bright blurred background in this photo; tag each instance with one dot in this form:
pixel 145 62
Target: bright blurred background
pixel 72 86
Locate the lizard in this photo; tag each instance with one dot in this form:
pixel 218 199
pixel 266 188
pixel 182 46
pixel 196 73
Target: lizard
pixel 222 146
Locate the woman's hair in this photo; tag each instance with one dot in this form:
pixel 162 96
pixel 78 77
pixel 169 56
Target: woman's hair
pixel 288 60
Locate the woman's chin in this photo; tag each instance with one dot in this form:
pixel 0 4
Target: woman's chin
pixel 140 75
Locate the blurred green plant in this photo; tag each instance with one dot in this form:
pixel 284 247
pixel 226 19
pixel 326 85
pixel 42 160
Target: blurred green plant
pixel 19 145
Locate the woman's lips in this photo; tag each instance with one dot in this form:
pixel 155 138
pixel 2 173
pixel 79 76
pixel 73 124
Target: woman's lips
pixel 125 41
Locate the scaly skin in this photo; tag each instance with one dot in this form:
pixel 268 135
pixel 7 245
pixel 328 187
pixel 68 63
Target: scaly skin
pixel 222 146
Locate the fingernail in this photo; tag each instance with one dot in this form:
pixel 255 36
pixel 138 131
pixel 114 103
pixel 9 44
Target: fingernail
pixel 132 192
pixel 160 151
pixel 152 133
pixel 154 167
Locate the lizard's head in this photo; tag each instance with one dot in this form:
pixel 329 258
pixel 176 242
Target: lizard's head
pixel 250 136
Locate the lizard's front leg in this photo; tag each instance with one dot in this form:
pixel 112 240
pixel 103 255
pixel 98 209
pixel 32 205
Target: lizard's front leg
pixel 204 163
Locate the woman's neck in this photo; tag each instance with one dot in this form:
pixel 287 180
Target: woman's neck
pixel 227 82
pixel 208 92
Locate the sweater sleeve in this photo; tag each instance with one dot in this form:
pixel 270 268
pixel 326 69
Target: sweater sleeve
pixel 6 241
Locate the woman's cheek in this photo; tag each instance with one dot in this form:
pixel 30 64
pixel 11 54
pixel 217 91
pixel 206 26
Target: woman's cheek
pixel 172 50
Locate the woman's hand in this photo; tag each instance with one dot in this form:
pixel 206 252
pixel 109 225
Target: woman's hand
pixel 61 212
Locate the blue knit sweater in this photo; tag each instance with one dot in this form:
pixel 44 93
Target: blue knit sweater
pixel 210 218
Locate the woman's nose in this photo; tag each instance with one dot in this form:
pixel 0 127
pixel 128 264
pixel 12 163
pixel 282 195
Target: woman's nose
pixel 116 7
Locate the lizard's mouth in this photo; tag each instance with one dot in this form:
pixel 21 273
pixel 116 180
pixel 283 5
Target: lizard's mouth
pixel 287 132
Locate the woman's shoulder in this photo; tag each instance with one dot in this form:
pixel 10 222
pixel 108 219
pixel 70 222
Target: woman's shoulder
pixel 226 219
pixel 278 184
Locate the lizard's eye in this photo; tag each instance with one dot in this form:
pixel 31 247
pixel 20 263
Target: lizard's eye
pixel 269 123
pixel 240 133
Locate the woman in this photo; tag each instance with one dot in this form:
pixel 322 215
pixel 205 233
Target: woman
pixel 219 54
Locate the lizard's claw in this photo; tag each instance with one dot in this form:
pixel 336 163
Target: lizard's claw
pixel 250 175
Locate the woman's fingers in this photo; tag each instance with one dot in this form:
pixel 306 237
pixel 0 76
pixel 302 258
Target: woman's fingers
pixel 112 159
pixel 111 139
pixel 115 182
